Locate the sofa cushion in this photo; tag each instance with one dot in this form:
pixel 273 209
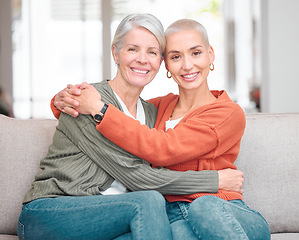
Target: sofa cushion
pixel 23 143
pixel 8 237
pixel 285 236
pixel 269 158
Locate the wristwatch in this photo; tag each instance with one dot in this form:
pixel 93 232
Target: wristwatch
pixel 98 117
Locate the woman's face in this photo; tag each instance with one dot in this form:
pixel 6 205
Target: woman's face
pixel 139 59
pixel 188 58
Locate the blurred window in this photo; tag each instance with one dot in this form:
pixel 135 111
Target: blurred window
pixel 57 42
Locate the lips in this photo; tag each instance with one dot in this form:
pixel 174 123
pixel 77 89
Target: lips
pixel 139 71
pixel 190 76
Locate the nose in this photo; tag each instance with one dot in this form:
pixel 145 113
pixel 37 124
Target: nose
pixel 187 64
pixel 142 57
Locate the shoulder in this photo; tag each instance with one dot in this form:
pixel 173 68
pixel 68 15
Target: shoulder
pixel 222 110
pixel 163 99
pixel 101 85
pixel 230 105
pixel 107 94
pixel 147 104
pixel 225 102
pixel 230 110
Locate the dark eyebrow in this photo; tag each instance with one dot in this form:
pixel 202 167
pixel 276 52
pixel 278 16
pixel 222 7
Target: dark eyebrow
pixel 173 51
pixel 192 48
pixel 197 46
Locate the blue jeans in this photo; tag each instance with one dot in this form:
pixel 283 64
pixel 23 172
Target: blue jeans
pixel 136 215
pixel 213 218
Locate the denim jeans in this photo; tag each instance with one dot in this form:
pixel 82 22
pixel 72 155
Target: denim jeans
pixel 213 218
pixel 136 215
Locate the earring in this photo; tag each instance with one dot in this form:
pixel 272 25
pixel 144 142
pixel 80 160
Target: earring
pixel 212 67
pixel 167 74
pixel 116 63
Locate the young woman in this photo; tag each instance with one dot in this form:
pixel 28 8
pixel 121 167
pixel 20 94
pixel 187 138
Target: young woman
pixel 197 130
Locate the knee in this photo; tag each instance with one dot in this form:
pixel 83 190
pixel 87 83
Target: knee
pixel 205 207
pixel 153 198
pixel 156 197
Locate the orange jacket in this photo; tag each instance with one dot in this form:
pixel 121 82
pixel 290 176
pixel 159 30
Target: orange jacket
pixel 207 138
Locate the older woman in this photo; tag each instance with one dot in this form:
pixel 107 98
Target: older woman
pixel 72 198
pixel 197 130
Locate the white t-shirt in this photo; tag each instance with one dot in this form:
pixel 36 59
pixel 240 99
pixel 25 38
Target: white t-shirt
pixel 172 123
pixel 116 187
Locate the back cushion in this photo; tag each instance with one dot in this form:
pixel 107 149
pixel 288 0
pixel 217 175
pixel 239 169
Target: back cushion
pixel 23 143
pixel 269 158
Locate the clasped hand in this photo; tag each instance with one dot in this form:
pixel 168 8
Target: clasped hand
pixel 79 99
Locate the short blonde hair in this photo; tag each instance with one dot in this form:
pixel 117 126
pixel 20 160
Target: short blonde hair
pixel 187 24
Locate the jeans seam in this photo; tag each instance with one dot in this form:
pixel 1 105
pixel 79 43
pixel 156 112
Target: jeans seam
pixel 184 210
pixel 237 225
pixel 139 217
pixel 27 208
pixel 22 237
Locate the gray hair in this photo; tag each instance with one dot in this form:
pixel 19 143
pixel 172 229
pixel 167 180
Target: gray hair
pixel 187 24
pixel 147 21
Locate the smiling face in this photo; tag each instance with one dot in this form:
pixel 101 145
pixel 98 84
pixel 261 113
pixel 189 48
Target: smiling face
pixel 139 59
pixel 188 58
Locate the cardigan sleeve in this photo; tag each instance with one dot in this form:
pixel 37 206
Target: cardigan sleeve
pixel 55 110
pixel 207 134
pixel 132 172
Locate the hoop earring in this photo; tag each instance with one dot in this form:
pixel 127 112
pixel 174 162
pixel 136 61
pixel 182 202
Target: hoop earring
pixel 167 74
pixel 212 67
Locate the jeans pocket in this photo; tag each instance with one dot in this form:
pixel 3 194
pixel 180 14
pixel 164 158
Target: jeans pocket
pixel 21 231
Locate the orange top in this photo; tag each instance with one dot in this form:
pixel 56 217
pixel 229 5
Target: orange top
pixel 55 110
pixel 207 138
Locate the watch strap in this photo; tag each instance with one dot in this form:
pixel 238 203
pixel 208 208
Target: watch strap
pixel 98 117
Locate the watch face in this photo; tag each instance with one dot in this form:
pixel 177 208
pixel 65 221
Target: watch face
pixel 98 117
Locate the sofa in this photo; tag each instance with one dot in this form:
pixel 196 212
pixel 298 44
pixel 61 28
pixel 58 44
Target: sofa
pixel 269 158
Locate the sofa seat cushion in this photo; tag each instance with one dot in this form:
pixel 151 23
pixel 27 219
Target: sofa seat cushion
pixel 8 237
pixel 285 236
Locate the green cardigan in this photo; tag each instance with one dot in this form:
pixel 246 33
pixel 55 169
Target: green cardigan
pixel 82 162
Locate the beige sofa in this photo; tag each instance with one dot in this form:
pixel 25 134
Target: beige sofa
pixel 269 158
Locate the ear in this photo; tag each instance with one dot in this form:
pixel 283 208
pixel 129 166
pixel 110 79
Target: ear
pixel 115 57
pixel 211 54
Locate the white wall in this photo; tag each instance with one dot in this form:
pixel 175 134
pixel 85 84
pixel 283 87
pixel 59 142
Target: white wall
pixel 280 61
